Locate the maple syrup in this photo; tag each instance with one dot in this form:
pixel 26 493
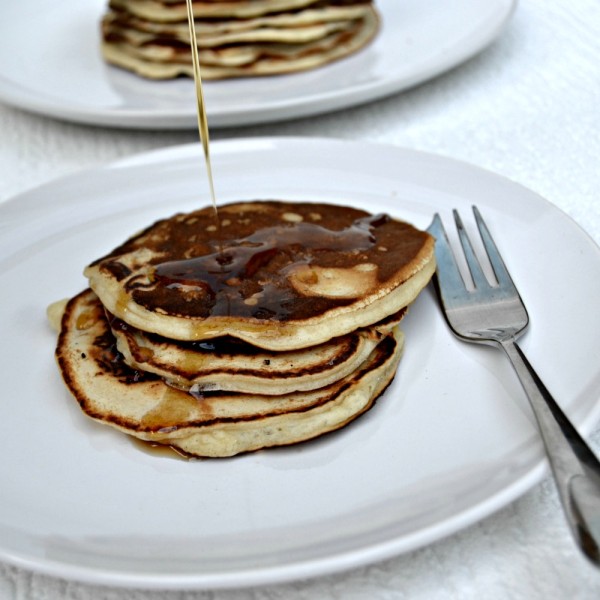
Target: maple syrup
pixel 201 106
pixel 228 275
pixel 161 450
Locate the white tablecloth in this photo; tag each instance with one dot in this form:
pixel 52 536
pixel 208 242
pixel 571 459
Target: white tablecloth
pixel 528 108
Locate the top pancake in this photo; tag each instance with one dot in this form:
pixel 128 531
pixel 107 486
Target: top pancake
pixel 278 275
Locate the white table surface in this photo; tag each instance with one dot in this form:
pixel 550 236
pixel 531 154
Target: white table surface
pixel 528 108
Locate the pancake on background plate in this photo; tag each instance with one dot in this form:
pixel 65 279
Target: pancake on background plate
pixel 236 38
pixel 274 325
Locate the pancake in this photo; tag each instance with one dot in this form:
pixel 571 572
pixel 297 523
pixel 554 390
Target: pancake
pixel 276 38
pixel 166 59
pixel 211 424
pixel 280 276
pixel 169 11
pixel 231 365
pixel 295 28
pixel 246 61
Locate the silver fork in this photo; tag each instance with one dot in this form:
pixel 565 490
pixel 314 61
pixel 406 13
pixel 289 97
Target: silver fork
pixel 493 313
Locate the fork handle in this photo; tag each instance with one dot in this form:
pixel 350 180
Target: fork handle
pixel 575 467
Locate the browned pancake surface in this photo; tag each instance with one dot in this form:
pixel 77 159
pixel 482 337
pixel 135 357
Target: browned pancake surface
pixel 265 260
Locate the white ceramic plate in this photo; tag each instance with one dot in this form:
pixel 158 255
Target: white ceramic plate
pixel 50 63
pixel 451 440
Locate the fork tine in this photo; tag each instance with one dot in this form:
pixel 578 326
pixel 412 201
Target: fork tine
pixel 479 279
pixel 500 271
pixel 447 273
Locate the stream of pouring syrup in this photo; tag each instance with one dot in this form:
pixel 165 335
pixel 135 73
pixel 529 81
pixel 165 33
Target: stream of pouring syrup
pixel 200 105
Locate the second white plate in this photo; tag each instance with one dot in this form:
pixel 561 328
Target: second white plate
pixel 50 63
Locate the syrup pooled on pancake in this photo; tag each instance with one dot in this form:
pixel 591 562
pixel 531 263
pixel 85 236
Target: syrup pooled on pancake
pixel 282 276
pixel 223 273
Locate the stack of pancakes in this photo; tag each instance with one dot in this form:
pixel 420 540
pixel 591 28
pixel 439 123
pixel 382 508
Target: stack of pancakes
pixel 236 38
pixel 272 325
